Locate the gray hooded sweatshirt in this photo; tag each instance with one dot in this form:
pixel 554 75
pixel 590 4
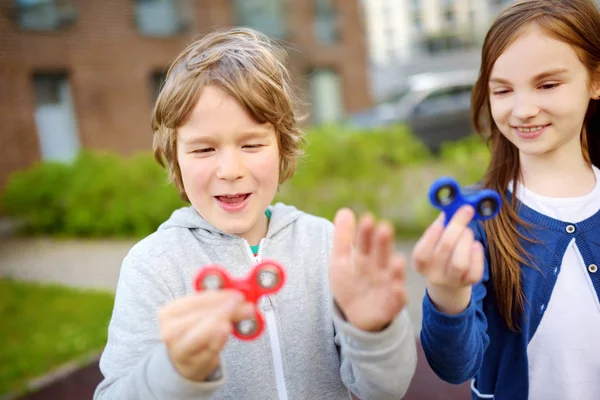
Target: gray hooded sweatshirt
pixel 307 350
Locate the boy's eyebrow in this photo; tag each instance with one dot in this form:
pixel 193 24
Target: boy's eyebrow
pixel 195 140
pixel 203 139
pixel 536 78
pixel 256 133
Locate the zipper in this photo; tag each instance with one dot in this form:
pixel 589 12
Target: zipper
pixel 271 323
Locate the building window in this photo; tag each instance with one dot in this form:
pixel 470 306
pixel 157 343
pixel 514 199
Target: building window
pixel 326 93
pixel 162 17
pixel 417 23
pixel 326 22
pixel 473 31
pixel 45 15
pixel 443 42
pixel 266 16
pixel 450 18
pixel 157 80
pixel 55 117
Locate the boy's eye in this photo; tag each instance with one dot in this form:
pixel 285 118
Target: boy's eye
pixel 548 86
pixel 204 150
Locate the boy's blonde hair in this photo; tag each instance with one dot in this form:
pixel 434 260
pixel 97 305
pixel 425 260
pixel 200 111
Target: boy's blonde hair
pixel 248 66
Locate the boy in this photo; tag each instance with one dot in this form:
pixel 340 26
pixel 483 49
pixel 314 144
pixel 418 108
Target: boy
pixel 225 127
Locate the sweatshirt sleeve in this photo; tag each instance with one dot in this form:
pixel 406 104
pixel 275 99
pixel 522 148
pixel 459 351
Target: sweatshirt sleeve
pixel 376 365
pixel 454 345
pixel 135 363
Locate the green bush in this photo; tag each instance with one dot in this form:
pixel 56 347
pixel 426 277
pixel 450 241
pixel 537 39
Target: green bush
pixel 466 159
pixel 387 172
pixel 99 195
pixel 361 170
pixel 35 196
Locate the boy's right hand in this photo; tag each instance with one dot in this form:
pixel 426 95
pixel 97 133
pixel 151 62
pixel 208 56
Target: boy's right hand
pixel 451 260
pixel 195 329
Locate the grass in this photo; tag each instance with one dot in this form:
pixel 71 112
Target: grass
pixel 46 326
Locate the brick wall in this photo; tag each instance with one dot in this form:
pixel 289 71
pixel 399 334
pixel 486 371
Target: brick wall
pixel 110 64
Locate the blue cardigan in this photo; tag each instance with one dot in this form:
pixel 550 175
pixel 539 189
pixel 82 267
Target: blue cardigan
pixel 477 343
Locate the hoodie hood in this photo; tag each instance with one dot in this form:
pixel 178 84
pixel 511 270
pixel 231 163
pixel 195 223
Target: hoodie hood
pixel 188 218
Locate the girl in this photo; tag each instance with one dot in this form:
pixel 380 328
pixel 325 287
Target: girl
pixel 513 303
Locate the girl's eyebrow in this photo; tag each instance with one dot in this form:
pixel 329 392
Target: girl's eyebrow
pixel 536 78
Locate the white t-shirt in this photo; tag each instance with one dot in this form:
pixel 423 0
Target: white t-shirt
pixel 564 353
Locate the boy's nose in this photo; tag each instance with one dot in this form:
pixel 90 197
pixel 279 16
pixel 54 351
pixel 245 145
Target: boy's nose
pixel 230 166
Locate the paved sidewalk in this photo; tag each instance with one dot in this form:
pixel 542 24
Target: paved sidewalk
pixel 86 264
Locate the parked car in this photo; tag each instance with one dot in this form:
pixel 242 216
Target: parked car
pixel 436 106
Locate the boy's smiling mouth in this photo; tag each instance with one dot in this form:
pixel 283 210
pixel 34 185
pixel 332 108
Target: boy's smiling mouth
pixel 233 202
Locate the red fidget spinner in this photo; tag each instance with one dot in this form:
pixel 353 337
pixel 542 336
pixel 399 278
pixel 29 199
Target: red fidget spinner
pixel 265 278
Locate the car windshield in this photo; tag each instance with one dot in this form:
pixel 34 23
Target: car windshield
pixel 394 97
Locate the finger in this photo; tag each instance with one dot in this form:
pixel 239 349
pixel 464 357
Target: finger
pixel 216 340
pixel 343 234
pixel 422 254
pixel 202 300
pixel 398 267
pixel 399 290
pixel 383 245
pixel 364 237
pixel 204 361
pixel 205 364
pixel 475 273
pixel 204 336
pixel 173 328
pixel 461 258
pixel 452 234
pixel 219 339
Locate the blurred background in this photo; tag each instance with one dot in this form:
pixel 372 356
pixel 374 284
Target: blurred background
pixel 387 87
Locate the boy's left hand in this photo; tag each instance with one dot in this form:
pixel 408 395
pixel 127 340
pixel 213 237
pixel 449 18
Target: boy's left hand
pixel 366 277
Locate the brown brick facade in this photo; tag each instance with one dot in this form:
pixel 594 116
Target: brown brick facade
pixel 110 64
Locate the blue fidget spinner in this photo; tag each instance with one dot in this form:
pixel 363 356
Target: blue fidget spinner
pixel 446 194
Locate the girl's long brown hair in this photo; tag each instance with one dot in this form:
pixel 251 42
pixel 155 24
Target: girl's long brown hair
pixel 575 22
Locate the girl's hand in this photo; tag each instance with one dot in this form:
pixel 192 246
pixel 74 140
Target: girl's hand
pixel 451 260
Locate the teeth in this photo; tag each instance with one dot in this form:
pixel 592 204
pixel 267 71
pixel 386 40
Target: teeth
pixel 532 129
pixel 232 199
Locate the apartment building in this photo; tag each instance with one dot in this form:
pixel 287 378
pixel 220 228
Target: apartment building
pixel 85 73
pixel 400 30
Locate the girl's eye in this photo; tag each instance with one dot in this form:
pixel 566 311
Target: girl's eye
pixel 252 146
pixel 500 92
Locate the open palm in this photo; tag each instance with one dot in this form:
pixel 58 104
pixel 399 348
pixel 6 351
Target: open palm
pixel 366 277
